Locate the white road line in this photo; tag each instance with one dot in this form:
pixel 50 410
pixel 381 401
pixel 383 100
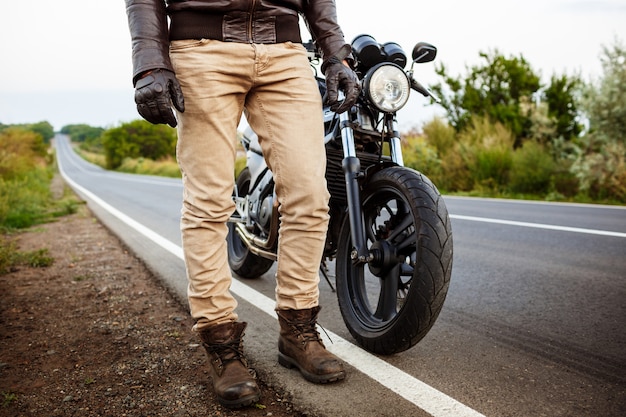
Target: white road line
pixel 539 226
pixel 410 388
pixel 536 202
pixel 154 237
pixel 163 182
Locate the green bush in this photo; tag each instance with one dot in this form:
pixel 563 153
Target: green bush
pixel 440 135
pixel 454 174
pixel 420 155
pixel 492 167
pixel 20 152
pixel 89 137
pixel 565 185
pixel 82 132
pixel 438 156
pixel 138 139
pixel 43 129
pixel 487 150
pixel 24 201
pixel 532 170
pixel 24 178
pixel 602 174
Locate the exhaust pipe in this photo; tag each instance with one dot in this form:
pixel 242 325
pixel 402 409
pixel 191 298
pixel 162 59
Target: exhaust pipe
pixel 255 244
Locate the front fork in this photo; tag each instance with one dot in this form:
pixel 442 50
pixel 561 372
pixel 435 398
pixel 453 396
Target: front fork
pixel 352 171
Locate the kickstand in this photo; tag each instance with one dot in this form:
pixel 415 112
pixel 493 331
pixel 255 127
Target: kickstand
pixel 324 270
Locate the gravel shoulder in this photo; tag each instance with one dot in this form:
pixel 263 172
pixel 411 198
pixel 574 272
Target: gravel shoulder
pixel 95 334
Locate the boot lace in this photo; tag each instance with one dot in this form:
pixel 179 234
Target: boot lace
pixel 227 352
pixel 308 331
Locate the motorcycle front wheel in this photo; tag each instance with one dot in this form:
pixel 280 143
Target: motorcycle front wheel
pixel 240 259
pixel 390 303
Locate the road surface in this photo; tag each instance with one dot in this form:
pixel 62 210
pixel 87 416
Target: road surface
pixel 534 323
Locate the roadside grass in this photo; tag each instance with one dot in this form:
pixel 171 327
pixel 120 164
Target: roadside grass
pixel 24 203
pixel 470 168
pixel 167 167
pixel 11 257
pixel 8 398
pixel 481 161
pixel 27 198
pixel 96 158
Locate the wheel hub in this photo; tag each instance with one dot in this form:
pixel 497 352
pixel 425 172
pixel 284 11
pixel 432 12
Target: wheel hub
pixel 383 258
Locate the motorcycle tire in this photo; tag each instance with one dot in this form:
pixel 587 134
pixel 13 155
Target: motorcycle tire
pixel 390 303
pixel 241 260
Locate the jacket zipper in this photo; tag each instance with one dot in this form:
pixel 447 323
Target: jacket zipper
pixel 250 20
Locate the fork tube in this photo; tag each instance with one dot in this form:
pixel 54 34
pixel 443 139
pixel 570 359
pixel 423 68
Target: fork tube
pixel 395 146
pixel 352 170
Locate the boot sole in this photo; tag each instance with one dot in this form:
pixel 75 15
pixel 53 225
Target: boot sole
pixel 289 363
pixel 241 402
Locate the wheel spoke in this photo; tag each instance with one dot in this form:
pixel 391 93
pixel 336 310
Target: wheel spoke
pixel 407 222
pixel 370 228
pixel 388 298
pixel 406 270
pixel 359 284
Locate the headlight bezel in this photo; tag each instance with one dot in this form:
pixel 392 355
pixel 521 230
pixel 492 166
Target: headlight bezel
pixel 377 82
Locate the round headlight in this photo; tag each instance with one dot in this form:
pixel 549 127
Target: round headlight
pixel 387 87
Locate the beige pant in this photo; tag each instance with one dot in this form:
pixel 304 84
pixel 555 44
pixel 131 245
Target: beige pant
pixel 276 86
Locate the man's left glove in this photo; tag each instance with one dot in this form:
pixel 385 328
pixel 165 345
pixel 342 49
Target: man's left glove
pixel 155 93
pixel 339 76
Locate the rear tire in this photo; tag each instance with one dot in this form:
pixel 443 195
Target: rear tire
pixel 241 260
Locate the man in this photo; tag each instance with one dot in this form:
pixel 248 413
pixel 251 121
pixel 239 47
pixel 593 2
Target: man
pixel 216 60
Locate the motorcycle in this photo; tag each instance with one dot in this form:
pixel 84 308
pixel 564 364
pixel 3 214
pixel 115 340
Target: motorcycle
pixel 389 232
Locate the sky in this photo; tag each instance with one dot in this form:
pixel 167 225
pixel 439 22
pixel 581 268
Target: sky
pixel 70 62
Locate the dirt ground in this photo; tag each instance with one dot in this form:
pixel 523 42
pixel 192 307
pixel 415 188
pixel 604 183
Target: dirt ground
pixel 95 334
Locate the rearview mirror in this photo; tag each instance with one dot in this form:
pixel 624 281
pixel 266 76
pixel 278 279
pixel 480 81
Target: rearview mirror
pixel 424 52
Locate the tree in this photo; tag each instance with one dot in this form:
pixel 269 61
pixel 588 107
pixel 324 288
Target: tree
pixel 605 99
pixel 138 139
pixel 82 132
pixel 562 97
pixel 600 164
pixel 44 128
pixel 496 90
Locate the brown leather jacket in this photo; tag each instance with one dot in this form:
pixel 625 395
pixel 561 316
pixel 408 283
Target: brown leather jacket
pixel 258 21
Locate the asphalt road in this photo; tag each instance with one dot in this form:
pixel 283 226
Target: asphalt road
pixel 534 323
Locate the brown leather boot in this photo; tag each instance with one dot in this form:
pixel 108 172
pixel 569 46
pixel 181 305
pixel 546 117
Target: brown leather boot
pixel 233 382
pixel 300 346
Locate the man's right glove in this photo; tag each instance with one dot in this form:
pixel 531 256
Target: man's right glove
pixel 155 93
pixel 339 76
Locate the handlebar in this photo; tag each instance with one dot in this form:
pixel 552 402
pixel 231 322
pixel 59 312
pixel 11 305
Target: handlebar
pixel 312 50
pixel 415 85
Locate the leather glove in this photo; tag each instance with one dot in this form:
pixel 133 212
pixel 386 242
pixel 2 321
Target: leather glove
pixel 155 93
pixel 338 76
